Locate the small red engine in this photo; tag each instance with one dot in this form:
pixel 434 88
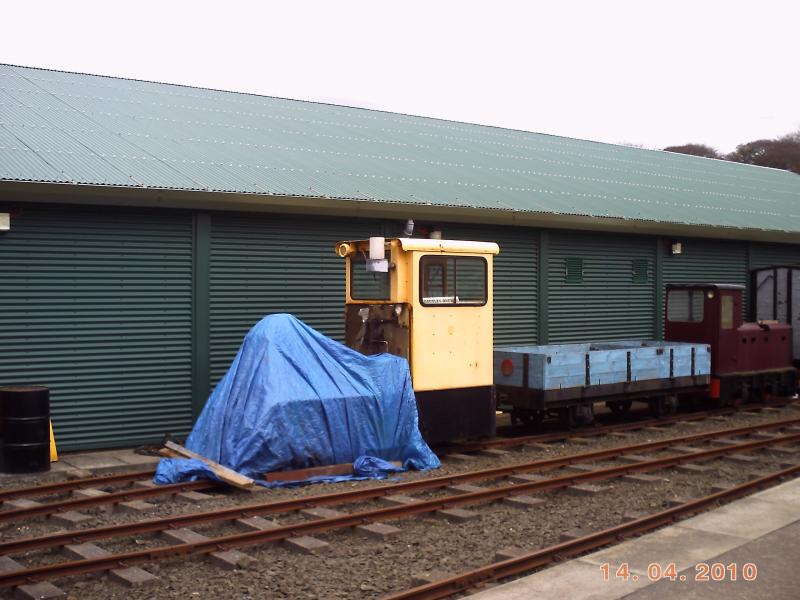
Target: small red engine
pixel 746 358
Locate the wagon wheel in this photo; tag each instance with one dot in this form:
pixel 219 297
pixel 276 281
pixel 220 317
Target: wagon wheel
pixel 532 418
pixel 663 407
pixel 568 418
pixel 734 400
pixel 572 417
pixel 766 392
pixel 620 407
pixel 535 418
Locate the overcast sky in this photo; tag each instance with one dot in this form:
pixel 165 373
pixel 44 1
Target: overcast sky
pixel 653 73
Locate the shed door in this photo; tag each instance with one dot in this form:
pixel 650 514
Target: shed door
pixel 601 287
pixel 262 264
pixel 97 305
pixel 707 261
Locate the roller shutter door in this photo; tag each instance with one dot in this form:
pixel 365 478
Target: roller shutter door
pixel 263 264
pixel 708 261
pixel 97 305
pixel 766 255
pixel 601 287
pixel 515 279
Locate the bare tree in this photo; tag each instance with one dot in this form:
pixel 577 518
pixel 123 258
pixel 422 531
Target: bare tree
pixel 780 153
pixel 695 150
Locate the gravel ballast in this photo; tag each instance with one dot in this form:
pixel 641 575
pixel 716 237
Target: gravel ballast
pixel 360 567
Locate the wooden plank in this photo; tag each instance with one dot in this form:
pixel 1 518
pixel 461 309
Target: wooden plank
pixel 300 474
pixel 325 471
pixel 227 475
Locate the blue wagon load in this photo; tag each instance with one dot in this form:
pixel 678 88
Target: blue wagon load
pixel 570 378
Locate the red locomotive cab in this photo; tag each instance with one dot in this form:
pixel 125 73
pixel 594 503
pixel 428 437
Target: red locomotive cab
pixel 706 313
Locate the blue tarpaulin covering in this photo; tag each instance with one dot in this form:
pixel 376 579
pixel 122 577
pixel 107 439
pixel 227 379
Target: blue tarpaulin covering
pixel 294 398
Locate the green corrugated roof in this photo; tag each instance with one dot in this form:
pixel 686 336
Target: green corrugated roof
pixel 70 128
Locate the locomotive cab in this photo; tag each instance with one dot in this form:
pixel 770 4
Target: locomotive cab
pixel 429 301
pixel 746 358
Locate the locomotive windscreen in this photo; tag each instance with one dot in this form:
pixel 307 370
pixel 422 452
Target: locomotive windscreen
pixel 365 285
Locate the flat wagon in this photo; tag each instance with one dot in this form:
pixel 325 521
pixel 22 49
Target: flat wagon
pixel 569 378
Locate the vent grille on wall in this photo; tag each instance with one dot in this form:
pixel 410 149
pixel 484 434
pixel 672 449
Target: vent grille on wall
pixel 639 270
pixel 574 270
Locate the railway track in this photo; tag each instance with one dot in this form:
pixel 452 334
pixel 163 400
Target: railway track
pixel 510 442
pixel 127 495
pixel 612 535
pixel 109 498
pixel 228 542
pixel 18 514
pixel 61 487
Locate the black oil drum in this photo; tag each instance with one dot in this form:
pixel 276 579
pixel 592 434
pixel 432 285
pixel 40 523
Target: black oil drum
pixel 25 418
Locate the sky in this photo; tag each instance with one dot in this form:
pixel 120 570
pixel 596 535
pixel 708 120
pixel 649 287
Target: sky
pixel 649 72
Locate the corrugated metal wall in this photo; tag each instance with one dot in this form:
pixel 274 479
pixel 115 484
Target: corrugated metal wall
pixel 765 255
pixel 707 261
pixel 516 279
pixel 611 300
pixel 263 264
pixel 97 305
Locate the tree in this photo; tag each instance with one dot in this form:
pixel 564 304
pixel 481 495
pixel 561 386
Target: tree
pixel 780 153
pixel 695 150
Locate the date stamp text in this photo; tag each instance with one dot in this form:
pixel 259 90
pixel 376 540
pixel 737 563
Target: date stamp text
pixel 702 572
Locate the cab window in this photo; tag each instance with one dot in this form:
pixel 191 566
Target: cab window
pixel 365 285
pixel 685 306
pixel 726 314
pixel 453 281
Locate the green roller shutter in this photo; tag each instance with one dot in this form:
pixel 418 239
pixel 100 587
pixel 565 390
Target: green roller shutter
pixel 97 305
pixel 515 279
pixel 766 255
pixel 600 287
pixel 706 261
pixel 264 264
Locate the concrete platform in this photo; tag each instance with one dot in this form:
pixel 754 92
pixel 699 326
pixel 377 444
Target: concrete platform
pixel 78 465
pixel 761 529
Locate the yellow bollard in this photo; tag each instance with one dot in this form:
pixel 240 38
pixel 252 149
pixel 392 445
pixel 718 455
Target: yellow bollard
pixel 53 450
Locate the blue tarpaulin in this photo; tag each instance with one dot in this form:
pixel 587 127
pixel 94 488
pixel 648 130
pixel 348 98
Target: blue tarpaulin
pixel 294 399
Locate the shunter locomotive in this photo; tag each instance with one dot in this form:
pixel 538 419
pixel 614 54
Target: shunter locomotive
pixel 430 301
pixel 748 360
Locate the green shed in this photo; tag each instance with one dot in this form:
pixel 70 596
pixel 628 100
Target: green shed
pixel 144 227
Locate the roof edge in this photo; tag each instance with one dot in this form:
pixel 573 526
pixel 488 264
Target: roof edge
pixel 67 193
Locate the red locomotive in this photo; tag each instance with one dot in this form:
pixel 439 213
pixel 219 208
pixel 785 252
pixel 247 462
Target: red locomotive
pixel 748 360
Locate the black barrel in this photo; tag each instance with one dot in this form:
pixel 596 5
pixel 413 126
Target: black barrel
pixel 25 422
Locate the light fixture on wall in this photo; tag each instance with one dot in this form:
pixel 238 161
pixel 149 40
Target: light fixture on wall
pixel 675 248
pixel 5 221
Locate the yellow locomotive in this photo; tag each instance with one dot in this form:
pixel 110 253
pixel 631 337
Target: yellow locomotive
pixel 430 301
